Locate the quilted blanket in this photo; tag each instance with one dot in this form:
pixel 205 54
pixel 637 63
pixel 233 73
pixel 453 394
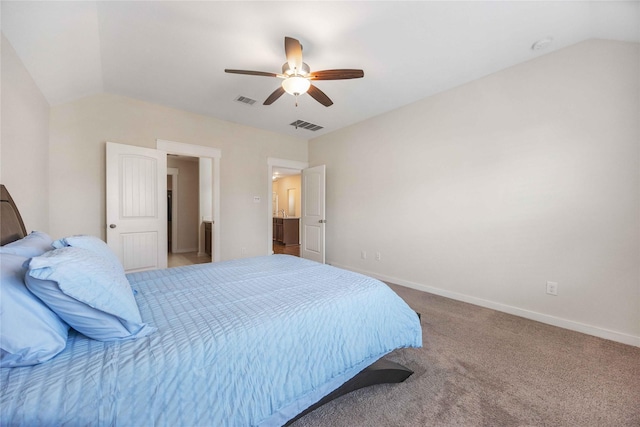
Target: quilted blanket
pixel 250 342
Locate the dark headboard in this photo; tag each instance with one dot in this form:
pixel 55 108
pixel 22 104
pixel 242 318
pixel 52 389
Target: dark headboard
pixel 11 225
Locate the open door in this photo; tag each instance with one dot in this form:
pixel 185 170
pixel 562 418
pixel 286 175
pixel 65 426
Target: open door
pixel 313 213
pixel 137 206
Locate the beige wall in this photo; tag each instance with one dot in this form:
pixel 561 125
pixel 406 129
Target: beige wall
pixel 24 149
pixel 487 191
pixel 187 203
pixel 80 129
pixel 482 193
pixel 281 186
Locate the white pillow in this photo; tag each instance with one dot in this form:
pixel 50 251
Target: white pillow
pixel 88 292
pixel 34 244
pixel 30 332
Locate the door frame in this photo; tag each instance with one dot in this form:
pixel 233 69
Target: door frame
pixel 173 173
pixel 215 154
pixel 279 163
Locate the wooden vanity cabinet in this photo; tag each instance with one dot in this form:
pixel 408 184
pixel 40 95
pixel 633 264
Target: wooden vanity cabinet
pixel 207 237
pixel 286 231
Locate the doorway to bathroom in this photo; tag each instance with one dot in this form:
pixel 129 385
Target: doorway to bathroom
pixel 312 220
pixel 286 210
pixel 279 207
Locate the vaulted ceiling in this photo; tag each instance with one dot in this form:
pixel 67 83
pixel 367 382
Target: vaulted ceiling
pixel 175 53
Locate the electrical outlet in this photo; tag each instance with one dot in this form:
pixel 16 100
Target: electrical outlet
pixel 552 288
pixel 378 256
pixel 363 254
pixel 243 251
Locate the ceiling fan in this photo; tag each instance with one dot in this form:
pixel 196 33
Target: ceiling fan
pixel 297 76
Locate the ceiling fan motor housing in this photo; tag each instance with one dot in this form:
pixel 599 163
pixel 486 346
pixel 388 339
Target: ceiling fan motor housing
pixel 304 70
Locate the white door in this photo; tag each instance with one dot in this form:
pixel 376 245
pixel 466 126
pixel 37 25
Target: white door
pixel 313 210
pixel 137 206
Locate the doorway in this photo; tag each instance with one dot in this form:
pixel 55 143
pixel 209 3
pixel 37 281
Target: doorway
pixel 183 201
pixel 287 206
pixel 276 203
pixel 208 183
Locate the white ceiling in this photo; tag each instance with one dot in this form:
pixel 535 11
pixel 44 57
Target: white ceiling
pixel 175 53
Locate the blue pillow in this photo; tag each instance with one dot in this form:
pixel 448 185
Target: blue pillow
pixel 88 292
pixel 33 244
pixel 90 243
pixel 30 332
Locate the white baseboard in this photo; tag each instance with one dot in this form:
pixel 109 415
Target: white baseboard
pixel 184 251
pixel 527 314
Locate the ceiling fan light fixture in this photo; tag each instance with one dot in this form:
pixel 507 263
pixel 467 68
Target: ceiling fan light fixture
pixel 296 85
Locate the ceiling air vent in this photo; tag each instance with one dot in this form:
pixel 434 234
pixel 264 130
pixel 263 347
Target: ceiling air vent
pixel 305 125
pixel 245 100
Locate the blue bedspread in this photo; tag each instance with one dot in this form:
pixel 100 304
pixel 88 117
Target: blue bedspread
pixel 239 343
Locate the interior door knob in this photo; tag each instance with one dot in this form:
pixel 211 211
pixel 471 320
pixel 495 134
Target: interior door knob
pixel 112 226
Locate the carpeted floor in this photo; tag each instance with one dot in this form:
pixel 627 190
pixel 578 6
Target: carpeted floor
pixel 480 367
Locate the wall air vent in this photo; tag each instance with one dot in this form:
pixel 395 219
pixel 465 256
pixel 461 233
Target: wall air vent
pixel 305 125
pixel 245 100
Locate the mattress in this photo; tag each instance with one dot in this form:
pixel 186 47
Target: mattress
pixel 250 342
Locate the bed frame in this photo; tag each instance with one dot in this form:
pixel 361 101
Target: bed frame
pixel 382 371
pixel 11 224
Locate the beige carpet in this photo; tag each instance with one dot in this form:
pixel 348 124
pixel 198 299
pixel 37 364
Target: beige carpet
pixel 480 367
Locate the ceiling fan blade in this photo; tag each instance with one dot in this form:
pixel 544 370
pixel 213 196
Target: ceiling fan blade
pixel 319 96
pixel 251 73
pixel 293 50
pixel 275 95
pixel 336 74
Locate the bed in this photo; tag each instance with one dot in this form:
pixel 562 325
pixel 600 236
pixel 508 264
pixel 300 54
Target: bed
pixel 258 341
